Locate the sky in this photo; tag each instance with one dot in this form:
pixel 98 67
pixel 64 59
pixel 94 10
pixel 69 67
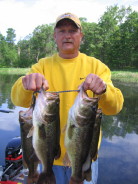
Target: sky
pixel 25 15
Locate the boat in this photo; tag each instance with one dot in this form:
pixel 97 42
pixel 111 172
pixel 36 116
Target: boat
pixel 13 172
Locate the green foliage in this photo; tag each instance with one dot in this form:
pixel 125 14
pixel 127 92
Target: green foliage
pixel 91 36
pixel 13 71
pixel 109 24
pixel 24 56
pixel 39 44
pixel 10 38
pixel 113 40
pixel 8 51
pixel 42 42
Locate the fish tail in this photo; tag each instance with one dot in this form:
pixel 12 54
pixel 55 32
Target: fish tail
pixel 75 181
pixel 32 178
pixel 46 178
pixel 88 175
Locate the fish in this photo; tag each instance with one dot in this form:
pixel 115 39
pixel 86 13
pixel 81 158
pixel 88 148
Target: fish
pixel 96 134
pixel 30 159
pixel 81 136
pixel 46 133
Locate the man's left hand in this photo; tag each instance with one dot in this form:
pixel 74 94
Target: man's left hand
pixel 95 84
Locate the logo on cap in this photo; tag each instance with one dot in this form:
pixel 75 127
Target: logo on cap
pixel 70 16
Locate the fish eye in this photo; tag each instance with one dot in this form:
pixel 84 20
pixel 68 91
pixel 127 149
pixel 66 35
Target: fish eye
pixel 73 126
pixel 94 108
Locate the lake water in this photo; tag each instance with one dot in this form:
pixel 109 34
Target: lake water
pixel 118 155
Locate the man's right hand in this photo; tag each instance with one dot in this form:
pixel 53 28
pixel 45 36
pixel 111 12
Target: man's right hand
pixel 34 82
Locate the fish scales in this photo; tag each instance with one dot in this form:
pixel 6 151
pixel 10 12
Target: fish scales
pixel 46 133
pixel 30 159
pixel 96 134
pixel 79 135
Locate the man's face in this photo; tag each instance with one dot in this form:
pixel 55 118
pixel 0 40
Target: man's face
pixel 68 37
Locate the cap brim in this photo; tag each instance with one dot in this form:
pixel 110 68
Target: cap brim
pixel 59 22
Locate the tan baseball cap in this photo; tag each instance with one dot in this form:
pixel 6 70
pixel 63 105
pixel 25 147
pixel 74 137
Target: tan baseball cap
pixel 70 16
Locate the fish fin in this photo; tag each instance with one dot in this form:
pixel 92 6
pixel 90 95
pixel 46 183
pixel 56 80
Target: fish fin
pixel 30 134
pixel 46 178
pixel 88 175
pixel 58 153
pixel 33 178
pixel 66 160
pixel 64 129
pixel 75 181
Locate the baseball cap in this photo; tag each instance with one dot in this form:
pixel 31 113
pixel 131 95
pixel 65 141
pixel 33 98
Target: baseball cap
pixel 70 16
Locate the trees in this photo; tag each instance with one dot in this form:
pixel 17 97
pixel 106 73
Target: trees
pixel 24 56
pixel 91 43
pixel 128 40
pixel 110 23
pixel 10 38
pixel 123 52
pixel 39 44
pixel 113 40
pixel 8 51
pixel 42 42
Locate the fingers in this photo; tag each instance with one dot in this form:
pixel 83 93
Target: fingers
pixel 95 84
pixel 88 84
pixel 34 82
pixel 45 84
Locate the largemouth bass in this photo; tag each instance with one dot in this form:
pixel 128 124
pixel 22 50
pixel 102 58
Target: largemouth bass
pixel 81 139
pixel 96 134
pixel 30 159
pixel 46 133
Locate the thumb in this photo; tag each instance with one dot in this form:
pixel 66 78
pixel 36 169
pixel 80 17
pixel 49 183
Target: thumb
pixel 45 84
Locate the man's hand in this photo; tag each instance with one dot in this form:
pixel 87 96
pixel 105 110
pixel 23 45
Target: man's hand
pixel 95 84
pixel 34 82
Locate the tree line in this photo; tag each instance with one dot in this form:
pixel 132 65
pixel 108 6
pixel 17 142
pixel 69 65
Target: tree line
pixel 113 40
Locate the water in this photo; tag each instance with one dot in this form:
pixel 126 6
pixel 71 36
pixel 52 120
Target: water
pixel 118 155
pixel 9 124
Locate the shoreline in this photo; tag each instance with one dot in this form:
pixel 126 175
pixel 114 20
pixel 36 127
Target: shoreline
pixel 125 77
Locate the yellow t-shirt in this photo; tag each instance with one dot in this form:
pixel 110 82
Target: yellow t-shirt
pixel 68 74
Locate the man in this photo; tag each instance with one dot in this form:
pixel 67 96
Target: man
pixel 67 70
